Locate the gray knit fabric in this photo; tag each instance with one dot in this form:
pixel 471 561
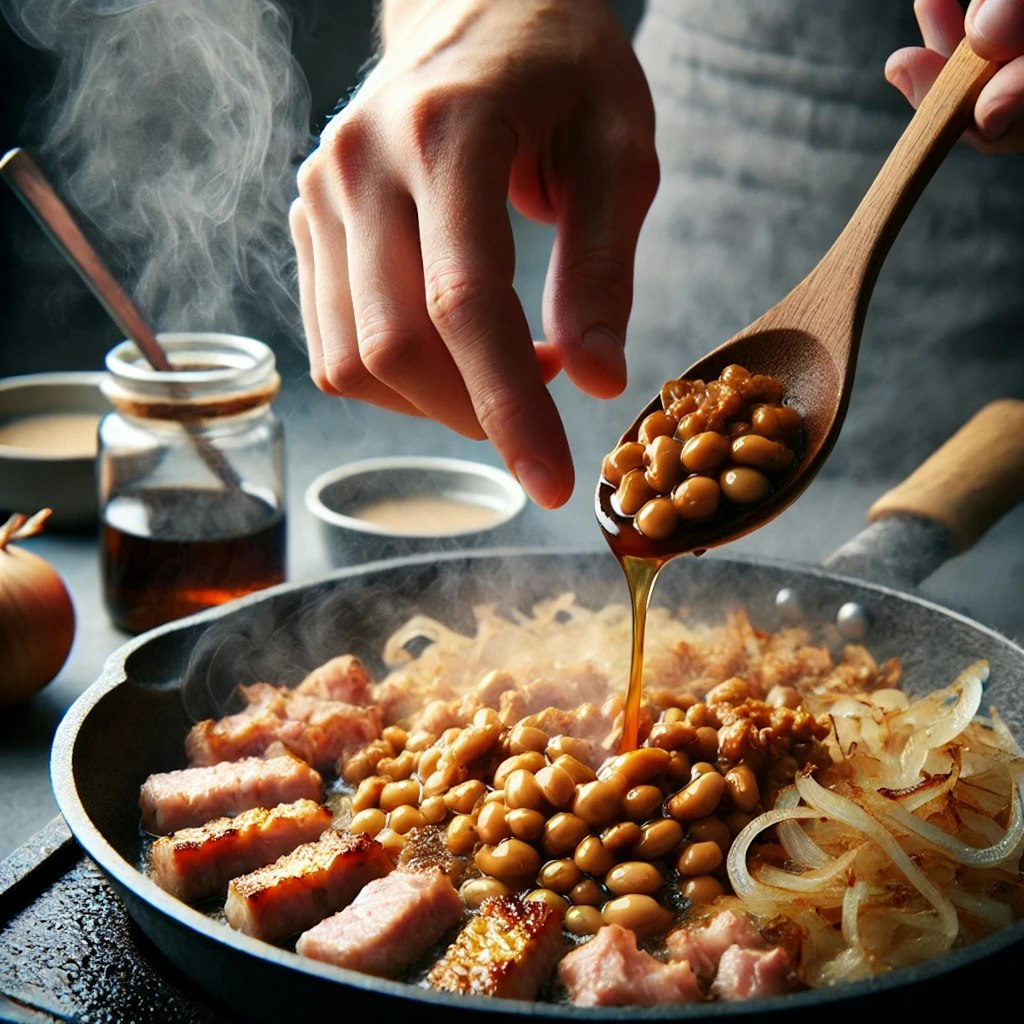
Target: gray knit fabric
pixel 773 119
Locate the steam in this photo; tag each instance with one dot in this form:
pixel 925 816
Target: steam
pixel 174 129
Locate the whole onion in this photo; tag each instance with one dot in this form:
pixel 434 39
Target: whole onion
pixel 37 618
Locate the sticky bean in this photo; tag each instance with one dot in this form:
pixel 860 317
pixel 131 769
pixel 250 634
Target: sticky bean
pixel 561 875
pixel 663 465
pixel 368 793
pixel 633 492
pixel 563 833
pixel 462 798
pixel 394 794
pixel 461 835
pixel 395 735
pixel 556 902
pixel 561 756
pixel 629 455
pixel 634 876
pixel 702 889
pixel 712 829
pixel 658 838
pixel 592 857
pixel 405 818
pixel 530 760
pixel 705 451
pixel 492 823
pixel 696 498
pixel 621 836
pixel 476 890
pixel 583 920
pixel 741 784
pixel 512 861
pixel 744 485
pixel 699 858
pixel 672 735
pixel 639 912
pixel 474 742
pixel 370 821
pixel 599 802
pixel 698 798
pixel 525 823
pixel 639 766
pixel 754 450
pixel 526 737
pixel 657 518
pixel 521 790
pixel 641 802
pixel 556 785
pixel 657 424
pixel 587 892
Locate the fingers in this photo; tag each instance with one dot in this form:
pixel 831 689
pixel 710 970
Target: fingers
pixel 941 23
pixel 999 112
pixel 995 28
pixel 601 195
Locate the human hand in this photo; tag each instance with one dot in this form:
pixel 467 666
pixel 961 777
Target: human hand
pixel 404 244
pixel 995 30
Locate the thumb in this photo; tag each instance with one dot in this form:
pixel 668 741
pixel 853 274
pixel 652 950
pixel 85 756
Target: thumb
pixel 995 28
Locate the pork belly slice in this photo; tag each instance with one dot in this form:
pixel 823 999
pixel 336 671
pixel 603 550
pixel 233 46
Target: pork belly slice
pixel 305 885
pixel 191 796
pixel 753 973
pixel 343 678
pixel 319 731
pixel 509 950
pixel 197 863
pixel 702 945
pixel 391 923
pixel 610 970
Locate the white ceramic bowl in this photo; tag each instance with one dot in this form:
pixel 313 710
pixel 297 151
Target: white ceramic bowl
pixel 387 507
pixel 47 458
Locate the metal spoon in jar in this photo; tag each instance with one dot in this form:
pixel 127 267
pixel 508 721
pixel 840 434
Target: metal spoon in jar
pixel 27 179
pixel 808 343
pixel 809 340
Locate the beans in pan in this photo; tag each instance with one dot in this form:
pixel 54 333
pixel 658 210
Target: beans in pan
pixel 714 447
pixel 633 841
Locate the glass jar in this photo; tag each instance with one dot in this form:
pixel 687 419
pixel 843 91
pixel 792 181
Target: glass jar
pixel 191 478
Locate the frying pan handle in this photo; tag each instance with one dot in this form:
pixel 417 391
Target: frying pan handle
pixel 945 505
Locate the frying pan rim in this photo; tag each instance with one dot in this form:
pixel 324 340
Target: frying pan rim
pixel 132 880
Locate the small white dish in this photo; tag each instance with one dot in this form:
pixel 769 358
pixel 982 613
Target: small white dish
pixel 48 446
pixel 394 505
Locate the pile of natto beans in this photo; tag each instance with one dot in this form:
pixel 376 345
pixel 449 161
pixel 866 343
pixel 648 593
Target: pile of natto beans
pixel 630 843
pixel 712 446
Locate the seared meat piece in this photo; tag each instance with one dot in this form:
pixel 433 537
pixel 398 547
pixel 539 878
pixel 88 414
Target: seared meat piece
pixel 610 970
pixel 702 945
pixel 304 886
pixel 197 863
pixel 342 678
pixel 391 923
pixel 509 949
pixel 192 796
pixel 318 731
pixel 753 973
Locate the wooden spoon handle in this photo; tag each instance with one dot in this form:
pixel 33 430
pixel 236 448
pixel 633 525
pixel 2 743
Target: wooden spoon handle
pixel 971 481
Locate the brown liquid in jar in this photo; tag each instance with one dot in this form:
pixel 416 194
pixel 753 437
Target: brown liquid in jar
pixel 155 568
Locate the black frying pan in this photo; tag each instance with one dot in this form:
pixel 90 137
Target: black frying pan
pixel 133 722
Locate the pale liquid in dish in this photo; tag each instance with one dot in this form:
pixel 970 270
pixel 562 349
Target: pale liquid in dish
pixel 72 434
pixel 426 515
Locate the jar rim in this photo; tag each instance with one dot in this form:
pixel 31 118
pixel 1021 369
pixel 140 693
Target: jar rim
pixel 227 362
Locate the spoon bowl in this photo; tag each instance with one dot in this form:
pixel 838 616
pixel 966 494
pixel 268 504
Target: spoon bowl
pixel 809 340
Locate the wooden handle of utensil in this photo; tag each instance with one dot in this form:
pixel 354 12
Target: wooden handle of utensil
pixel 971 481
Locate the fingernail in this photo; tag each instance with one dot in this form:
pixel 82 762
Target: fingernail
pixel 607 348
pixel 1000 21
pixel 539 482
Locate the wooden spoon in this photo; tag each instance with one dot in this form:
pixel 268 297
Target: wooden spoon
pixel 809 340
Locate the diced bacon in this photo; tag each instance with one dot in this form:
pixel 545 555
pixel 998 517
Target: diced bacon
pixel 318 731
pixel 304 886
pixel 702 946
pixel 343 678
pixel 509 950
pixel 191 796
pixel 392 922
pixel 610 970
pixel 753 973
pixel 197 863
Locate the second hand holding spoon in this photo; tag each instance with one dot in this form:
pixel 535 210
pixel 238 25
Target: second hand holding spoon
pixel 808 342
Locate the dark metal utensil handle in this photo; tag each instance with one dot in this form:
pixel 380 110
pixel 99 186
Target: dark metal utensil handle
pixel 28 181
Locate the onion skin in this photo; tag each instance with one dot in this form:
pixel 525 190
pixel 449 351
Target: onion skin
pixel 37 624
